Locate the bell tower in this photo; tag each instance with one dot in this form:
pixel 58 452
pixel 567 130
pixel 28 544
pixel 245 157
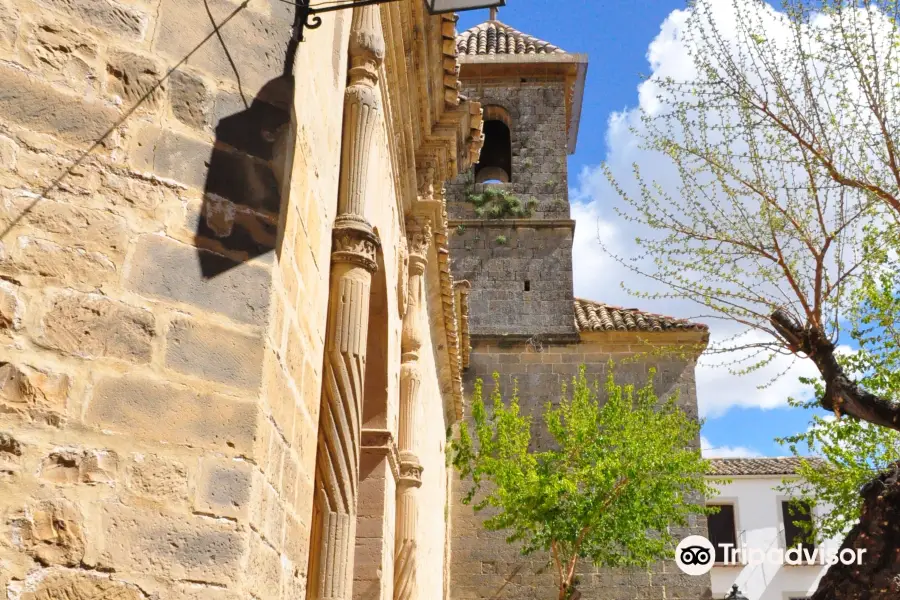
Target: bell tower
pixel 510 221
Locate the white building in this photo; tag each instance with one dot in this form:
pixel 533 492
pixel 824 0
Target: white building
pixel 755 517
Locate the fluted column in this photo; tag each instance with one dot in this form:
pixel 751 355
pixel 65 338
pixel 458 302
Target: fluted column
pixel 418 230
pixel 353 261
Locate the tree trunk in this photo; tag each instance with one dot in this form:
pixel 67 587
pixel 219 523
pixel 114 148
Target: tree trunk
pixel 878 533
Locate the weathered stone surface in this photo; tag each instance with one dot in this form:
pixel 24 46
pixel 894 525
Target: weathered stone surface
pixel 264 568
pixel 224 488
pixel 231 174
pixel 81 227
pixel 134 78
pixel 33 393
pixel 176 156
pixel 206 592
pixel 63 54
pixel 215 353
pixel 106 15
pixel 190 99
pixel 158 476
pixel 80 466
pixel 196 549
pixel 9 151
pixel 250 35
pixel 73 585
pixel 154 410
pixel 93 326
pixel 9 445
pixel 166 269
pixel 53 533
pixel 41 108
pixel 9 25
pixel 10 456
pixel 11 307
pixel 74 267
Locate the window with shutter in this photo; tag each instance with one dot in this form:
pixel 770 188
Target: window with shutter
pixel 722 530
pixel 797 517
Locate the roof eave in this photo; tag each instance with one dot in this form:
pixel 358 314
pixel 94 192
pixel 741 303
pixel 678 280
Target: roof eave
pixel 577 102
pixel 563 58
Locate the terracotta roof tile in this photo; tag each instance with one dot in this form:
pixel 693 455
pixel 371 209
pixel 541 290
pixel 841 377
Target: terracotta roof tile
pixel 494 37
pixel 595 316
pixel 724 467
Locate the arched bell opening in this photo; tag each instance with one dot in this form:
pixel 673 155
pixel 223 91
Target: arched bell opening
pixel 495 164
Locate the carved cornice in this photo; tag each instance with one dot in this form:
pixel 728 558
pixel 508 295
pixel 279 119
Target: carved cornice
pixel 435 134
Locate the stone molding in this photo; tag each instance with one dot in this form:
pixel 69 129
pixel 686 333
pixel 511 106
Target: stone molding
pixel 535 223
pixel 333 534
pixel 419 238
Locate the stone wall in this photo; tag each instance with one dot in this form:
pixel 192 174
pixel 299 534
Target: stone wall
pixel 520 269
pixel 167 197
pixel 521 276
pixel 483 564
pixel 158 401
pixel 538 132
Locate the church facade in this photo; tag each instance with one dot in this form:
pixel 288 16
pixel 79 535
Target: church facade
pixel 242 299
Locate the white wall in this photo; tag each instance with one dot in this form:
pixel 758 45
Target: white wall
pixel 759 524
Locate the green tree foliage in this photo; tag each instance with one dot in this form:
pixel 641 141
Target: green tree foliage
pixel 785 145
pixel 854 452
pixel 620 474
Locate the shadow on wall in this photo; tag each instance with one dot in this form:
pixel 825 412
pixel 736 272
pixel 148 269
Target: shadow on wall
pixel 242 193
pixel 248 170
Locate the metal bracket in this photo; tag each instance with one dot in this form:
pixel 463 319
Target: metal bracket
pixel 308 16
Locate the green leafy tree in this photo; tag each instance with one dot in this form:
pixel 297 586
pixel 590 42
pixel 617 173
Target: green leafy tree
pixel 619 475
pixel 788 165
pixel 849 454
pixel 783 216
pixel 853 452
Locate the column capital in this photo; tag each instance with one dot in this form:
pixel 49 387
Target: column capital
pixel 410 470
pixel 355 242
pixel 418 236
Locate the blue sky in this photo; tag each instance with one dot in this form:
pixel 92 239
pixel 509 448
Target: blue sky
pixel 620 38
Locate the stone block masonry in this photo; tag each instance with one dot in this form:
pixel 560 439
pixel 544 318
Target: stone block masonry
pixel 520 268
pixel 155 442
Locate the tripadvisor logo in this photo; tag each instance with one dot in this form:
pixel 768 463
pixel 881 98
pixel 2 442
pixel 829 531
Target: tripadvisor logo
pixel 695 555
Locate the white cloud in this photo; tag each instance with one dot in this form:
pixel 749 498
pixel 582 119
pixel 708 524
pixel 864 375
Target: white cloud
pixel 600 277
pixel 710 451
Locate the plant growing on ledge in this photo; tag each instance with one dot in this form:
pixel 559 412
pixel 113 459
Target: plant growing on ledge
pixel 617 478
pixel 496 203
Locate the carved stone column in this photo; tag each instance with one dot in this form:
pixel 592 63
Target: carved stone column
pixel 353 261
pixel 418 231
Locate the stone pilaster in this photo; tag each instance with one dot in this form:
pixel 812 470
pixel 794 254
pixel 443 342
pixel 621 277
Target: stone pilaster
pixel 352 264
pixel 418 231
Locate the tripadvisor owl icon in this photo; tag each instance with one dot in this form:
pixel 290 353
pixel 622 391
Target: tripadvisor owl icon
pixel 695 555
